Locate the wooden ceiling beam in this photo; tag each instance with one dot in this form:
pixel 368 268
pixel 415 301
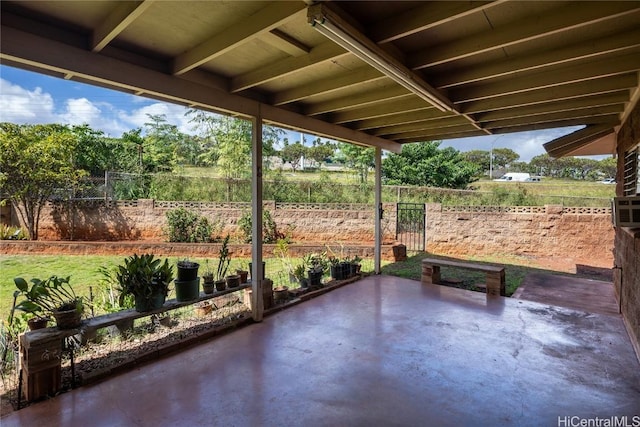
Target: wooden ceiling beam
pixel 401 118
pixel 610 120
pixel 236 34
pixel 428 134
pixel 419 126
pixel 359 100
pixel 285 43
pixel 282 68
pixel 563 19
pixel 541 96
pixel 619 97
pixel 549 78
pixel 442 136
pixel 335 83
pixel 581 113
pixel 117 21
pixel 423 17
pixel 597 48
pixel 380 110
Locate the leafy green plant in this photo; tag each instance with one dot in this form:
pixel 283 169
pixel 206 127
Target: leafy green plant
pixel 270 232
pixel 8 232
pixel 224 259
pixel 188 227
pixel 143 276
pixel 109 300
pixel 48 296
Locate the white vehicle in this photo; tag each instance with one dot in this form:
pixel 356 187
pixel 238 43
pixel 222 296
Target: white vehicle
pixel 514 177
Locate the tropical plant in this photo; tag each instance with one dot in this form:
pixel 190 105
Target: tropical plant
pixel 224 259
pixel 143 277
pixel 48 296
pixel 109 299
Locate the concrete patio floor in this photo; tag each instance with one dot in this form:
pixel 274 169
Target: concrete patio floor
pixel 383 351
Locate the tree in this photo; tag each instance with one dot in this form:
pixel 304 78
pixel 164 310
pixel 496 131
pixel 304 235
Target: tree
pixel 319 152
pixel 162 143
pixel 36 161
pixel 359 159
pixel 426 165
pixel 293 153
pixel 479 157
pixel 226 141
pixel 608 167
pixel 503 157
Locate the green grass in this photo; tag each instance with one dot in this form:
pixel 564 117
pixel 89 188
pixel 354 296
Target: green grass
pixel 85 271
pixel 516 269
pixel 553 187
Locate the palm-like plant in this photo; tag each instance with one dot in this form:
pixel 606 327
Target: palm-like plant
pixel 144 277
pixel 47 296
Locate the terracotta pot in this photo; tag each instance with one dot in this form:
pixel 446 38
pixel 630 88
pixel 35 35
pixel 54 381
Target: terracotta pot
pixel 67 319
pixel 281 293
pixel 233 281
pixel 244 275
pixel 38 323
pixel 221 285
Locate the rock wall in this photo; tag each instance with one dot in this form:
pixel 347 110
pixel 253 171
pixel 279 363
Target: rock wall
pixel 146 220
pixel 584 234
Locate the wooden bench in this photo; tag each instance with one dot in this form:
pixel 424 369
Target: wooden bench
pixel 41 350
pixel 494 274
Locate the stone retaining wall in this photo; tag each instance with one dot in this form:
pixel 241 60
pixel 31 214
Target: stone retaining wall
pixel 578 233
pixel 583 234
pixel 146 219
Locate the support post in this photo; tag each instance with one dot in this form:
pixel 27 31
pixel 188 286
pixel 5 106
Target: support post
pixel 378 202
pixel 257 306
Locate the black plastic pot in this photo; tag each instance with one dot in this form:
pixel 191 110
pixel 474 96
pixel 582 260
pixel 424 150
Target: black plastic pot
pixel 187 290
pixel 187 271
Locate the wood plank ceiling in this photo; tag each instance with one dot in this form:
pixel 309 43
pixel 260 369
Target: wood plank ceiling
pixel 497 66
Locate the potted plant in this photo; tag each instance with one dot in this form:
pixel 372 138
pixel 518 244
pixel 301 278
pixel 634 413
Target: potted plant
pixel 54 296
pixel 39 319
pixel 300 274
pixel 147 279
pixel 187 270
pixel 224 259
pixel 208 285
pixel 243 273
pixel 187 283
pixel 280 293
pixel 316 264
pixel 337 272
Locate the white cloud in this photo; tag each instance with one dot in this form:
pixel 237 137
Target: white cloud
pixel 175 115
pixel 19 105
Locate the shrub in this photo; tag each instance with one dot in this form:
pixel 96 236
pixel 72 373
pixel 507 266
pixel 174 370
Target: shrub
pixel 8 232
pixel 270 233
pixel 188 227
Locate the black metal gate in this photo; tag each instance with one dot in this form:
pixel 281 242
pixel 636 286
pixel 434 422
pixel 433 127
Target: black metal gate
pixel 410 225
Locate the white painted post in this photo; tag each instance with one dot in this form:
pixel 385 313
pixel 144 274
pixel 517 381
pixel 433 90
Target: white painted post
pixel 256 215
pixel 378 207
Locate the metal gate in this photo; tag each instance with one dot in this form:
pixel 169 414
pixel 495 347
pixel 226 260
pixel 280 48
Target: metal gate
pixel 410 225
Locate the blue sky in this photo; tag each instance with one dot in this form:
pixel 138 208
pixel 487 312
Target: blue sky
pixel 27 97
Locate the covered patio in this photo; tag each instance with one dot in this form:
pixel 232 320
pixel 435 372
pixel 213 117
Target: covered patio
pixel 381 351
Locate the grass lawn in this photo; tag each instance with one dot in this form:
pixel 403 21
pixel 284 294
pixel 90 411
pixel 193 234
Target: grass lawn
pixel 85 271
